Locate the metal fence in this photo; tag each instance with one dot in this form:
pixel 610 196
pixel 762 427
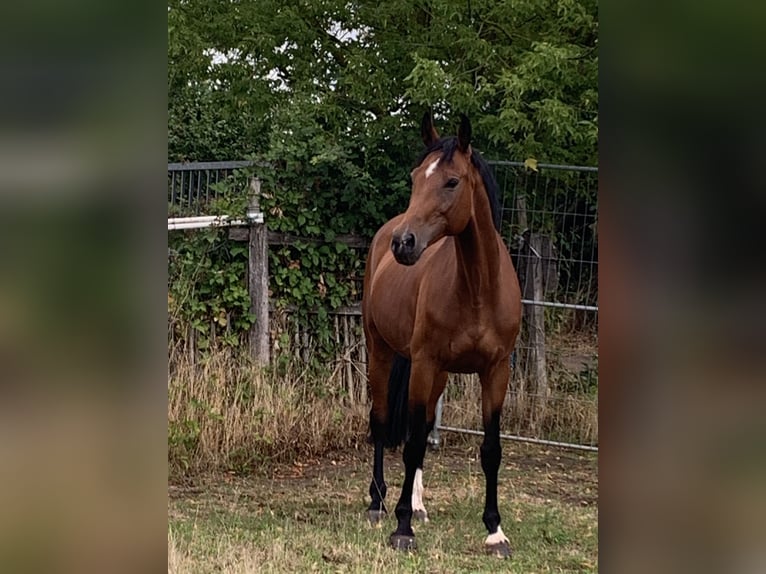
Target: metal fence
pixel 191 186
pixel 549 224
pixel 550 217
pixel 560 203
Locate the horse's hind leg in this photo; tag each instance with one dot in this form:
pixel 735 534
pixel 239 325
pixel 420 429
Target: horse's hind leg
pixel 494 384
pixel 379 367
pixel 419 511
pixel 377 509
pixel 434 440
pixel 437 392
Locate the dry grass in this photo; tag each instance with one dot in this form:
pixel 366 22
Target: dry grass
pixel 569 417
pixel 225 553
pixel 224 413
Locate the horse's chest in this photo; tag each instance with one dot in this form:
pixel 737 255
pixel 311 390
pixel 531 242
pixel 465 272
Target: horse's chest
pixel 469 344
pixel 474 340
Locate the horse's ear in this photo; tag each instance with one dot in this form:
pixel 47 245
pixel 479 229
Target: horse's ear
pixel 464 134
pixel 427 130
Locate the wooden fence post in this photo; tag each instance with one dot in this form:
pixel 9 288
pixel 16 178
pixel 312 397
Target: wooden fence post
pixel 258 276
pixel 535 326
pixel 521 370
pixel 532 358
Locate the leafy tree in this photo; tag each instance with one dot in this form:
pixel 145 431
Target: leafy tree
pixel 524 71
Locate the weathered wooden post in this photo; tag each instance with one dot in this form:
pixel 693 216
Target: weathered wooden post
pixel 534 316
pixel 258 276
pixel 535 270
pixel 521 371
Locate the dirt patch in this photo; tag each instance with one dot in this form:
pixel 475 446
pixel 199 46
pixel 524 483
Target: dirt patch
pixel 535 472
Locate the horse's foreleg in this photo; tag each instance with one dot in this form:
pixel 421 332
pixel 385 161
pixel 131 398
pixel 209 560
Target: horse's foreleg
pixel 421 382
pixel 414 451
pixel 494 385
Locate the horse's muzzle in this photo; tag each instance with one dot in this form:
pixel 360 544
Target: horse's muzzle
pixel 403 246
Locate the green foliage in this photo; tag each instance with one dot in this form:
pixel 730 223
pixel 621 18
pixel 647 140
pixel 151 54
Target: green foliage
pixel 317 186
pixel 524 71
pixel 317 180
pixel 183 438
pixel 207 289
pixel 184 435
pixel 329 94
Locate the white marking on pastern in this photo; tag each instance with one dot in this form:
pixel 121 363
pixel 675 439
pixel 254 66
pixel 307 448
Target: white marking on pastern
pixel 496 538
pixel 417 494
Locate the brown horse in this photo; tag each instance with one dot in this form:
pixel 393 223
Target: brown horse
pixel 440 295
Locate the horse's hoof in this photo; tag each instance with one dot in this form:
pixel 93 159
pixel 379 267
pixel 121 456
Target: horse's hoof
pixel 500 549
pixel 402 542
pixel 376 517
pixel 421 515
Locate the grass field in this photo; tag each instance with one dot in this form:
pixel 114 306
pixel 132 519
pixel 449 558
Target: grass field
pixel 309 516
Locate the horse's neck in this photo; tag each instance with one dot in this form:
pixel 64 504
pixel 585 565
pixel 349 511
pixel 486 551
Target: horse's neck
pixel 478 257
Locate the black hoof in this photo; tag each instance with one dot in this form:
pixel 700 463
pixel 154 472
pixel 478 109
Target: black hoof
pixel 376 516
pixel 501 549
pixel 402 542
pixel 420 515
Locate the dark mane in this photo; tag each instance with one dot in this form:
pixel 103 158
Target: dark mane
pixel 448 146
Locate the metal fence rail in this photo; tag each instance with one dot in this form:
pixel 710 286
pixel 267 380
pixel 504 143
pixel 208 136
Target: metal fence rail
pixel 523 439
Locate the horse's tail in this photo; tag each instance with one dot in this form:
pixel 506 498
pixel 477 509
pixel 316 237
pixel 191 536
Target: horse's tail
pixel 398 398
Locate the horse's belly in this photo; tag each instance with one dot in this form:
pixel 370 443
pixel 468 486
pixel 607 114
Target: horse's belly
pixel 468 363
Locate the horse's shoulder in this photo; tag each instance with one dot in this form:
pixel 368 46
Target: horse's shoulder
pixel 381 241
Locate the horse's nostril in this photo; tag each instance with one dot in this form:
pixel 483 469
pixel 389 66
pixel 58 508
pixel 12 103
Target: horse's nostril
pixel 408 240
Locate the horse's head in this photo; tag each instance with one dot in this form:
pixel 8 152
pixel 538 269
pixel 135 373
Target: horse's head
pixel 442 193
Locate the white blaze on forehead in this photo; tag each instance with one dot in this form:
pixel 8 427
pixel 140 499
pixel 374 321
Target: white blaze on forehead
pixel 431 168
pixel 417 493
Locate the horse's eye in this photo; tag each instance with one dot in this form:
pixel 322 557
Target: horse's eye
pixel 452 183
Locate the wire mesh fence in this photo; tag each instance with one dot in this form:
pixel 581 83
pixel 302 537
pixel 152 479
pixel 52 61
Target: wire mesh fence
pixel 550 217
pixel 558 203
